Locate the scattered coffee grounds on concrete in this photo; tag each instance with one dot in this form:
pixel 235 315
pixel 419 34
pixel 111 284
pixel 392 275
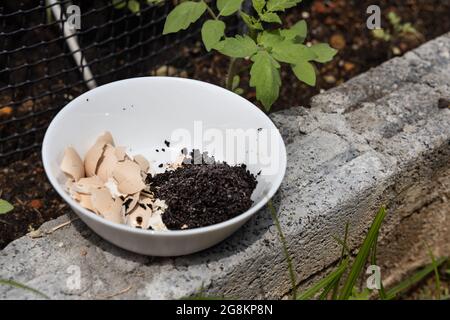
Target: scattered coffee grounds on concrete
pixel 200 195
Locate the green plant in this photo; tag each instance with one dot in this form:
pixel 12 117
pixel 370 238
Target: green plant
pixel 397 31
pixel 5 206
pixel 134 5
pixel 348 289
pixel 263 48
pixel 21 286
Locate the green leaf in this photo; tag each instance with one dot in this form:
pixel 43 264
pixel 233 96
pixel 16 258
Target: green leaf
pixel 269 39
pixel 363 295
pixel 228 7
pixel 265 77
pixel 5 206
pixel 415 278
pixel 119 4
pixel 134 6
pixel 297 32
pixel 19 285
pixel 281 5
pixel 212 33
pixel 259 5
pixel 305 72
pixel 251 22
pixel 325 282
pixel 239 91
pixel 270 17
pixel 183 15
pixel 237 47
pixel 324 52
pixel 362 256
pixel 290 52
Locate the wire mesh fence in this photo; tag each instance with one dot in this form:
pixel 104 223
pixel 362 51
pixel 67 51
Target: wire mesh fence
pixel 41 70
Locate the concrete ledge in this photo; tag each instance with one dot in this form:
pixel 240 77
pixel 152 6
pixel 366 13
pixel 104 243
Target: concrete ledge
pixel 378 139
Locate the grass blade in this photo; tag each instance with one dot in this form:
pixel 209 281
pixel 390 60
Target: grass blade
pixel 19 285
pixel 363 254
pixel 273 212
pixel 436 274
pixel 418 276
pixel 329 279
pixel 345 251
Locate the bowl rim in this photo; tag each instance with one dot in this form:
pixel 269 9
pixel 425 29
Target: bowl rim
pixel 166 233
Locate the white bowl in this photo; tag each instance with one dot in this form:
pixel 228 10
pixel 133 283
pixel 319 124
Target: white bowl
pixel 143 112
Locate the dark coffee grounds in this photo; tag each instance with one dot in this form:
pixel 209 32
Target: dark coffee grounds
pixel 200 195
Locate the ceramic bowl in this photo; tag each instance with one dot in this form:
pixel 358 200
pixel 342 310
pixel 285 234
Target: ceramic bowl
pixel 141 113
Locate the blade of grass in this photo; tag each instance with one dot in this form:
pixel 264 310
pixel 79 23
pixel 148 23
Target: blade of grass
pixel 19 285
pixel 333 276
pixel 382 292
pixel 363 254
pixel 436 274
pixel 273 212
pixel 415 278
pixel 345 251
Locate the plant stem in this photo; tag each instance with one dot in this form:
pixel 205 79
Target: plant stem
pixel 210 11
pixel 232 71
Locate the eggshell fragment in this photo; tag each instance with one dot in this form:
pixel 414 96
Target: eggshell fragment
pixel 107 163
pixel 85 201
pixel 139 218
pixel 155 218
pixel 114 213
pixel 121 154
pixel 111 184
pixel 128 177
pixel 95 153
pixel 84 185
pixel 142 162
pixel 72 165
pixel 155 221
pixel 102 200
pixel 130 205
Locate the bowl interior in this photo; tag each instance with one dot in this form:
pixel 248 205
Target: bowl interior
pixel 142 113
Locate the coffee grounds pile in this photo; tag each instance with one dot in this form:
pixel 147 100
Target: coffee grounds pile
pixel 200 195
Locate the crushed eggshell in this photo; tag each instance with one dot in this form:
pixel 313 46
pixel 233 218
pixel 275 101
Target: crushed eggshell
pixel 102 200
pixel 95 153
pixel 84 185
pixel 139 217
pixel 110 183
pixel 85 201
pixel 128 176
pixel 142 162
pixel 107 163
pixel 121 154
pixel 114 213
pixel 72 165
pixel 130 202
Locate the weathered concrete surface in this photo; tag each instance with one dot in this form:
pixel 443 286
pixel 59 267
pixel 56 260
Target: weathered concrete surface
pixel 378 139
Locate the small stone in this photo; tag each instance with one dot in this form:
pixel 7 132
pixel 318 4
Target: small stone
pixel 330 78
pixel 348 66
pixel 443 103
pixel 337 41
pixel 6 111
pixel 396 51
pixel 36 204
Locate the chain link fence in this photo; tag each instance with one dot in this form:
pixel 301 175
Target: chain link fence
pixel 43 67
